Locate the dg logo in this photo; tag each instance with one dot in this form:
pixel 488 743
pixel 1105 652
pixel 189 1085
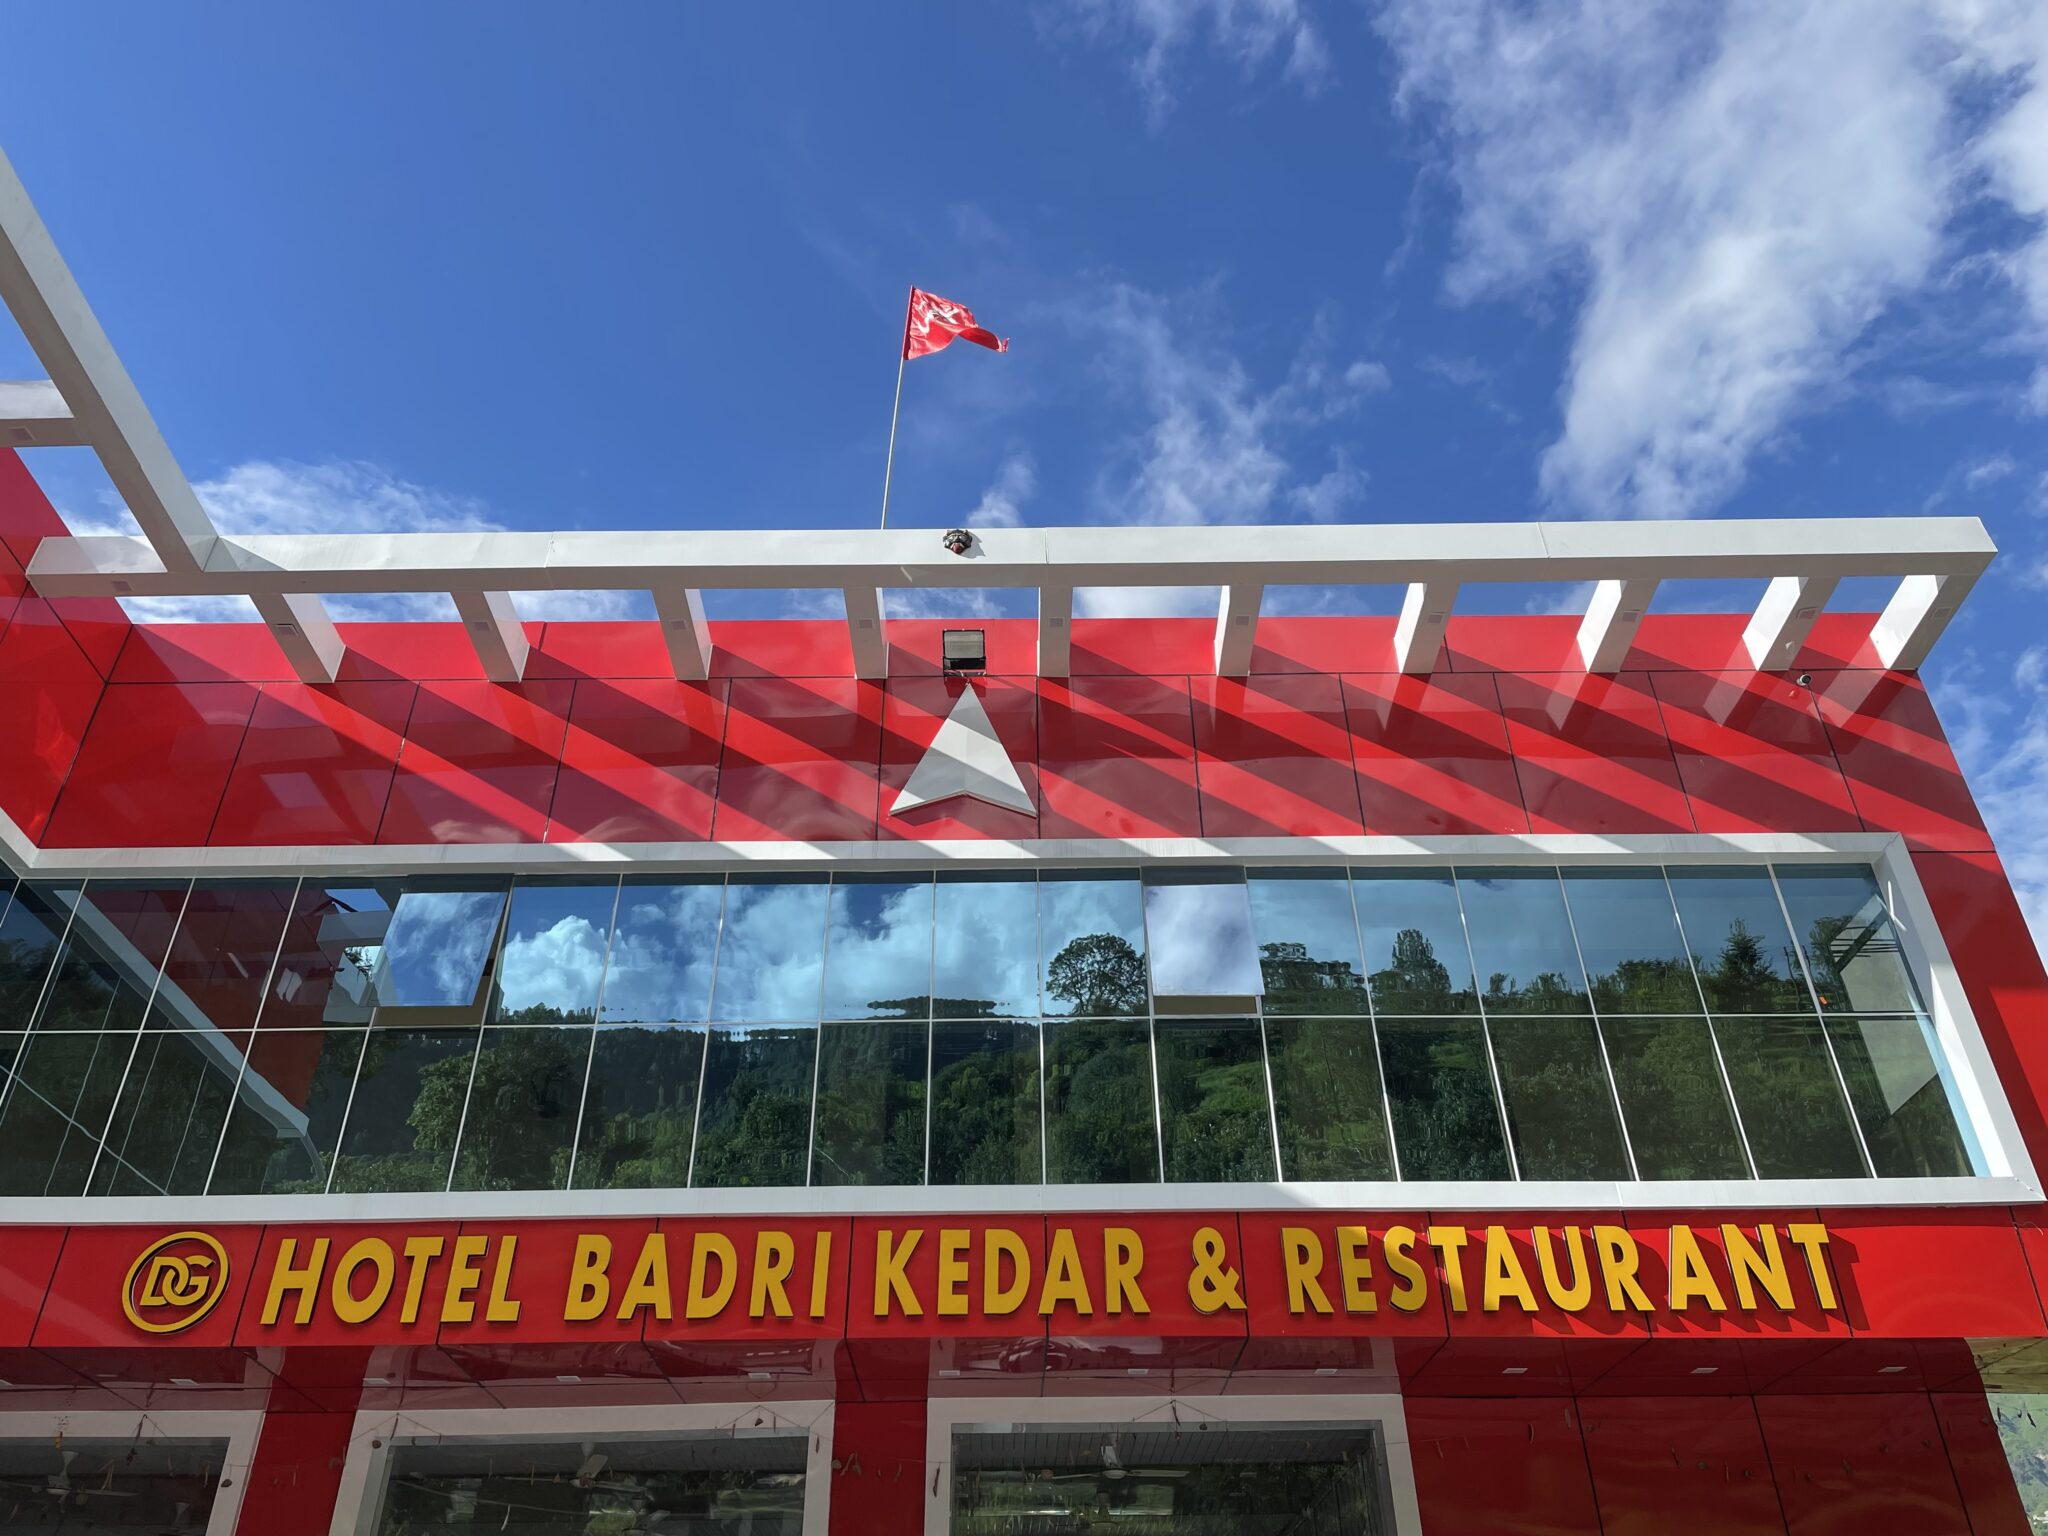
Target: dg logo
pixel 175 1282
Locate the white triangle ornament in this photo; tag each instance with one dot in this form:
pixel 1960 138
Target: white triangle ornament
pixel 965 758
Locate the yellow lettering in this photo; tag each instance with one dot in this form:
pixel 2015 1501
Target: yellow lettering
pixel 305 1281
pixel 1505 1279
pixel 998 1300
pixel 1356 1268
pixel 891 1272
pixel 1063 1278
pixel 1398 1245
pixel 465 1274
pixel 821 1272
pixel 502 1308
pixel 774 1258
pixel 1619 1258
pixel 1123 1255
pixel 1748 1265
pixel 1301 1255
pixel 1812 1240
pixel 708 1246
pixel 350 1308
pixel 590 1287
pixel 1690 1277
pixel 420 1253
pixel 1569 1298
pixel 1449 1243
pixel 648 1285
pixel 953 1243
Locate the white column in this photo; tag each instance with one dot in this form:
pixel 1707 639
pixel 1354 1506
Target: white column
pixel 1915 617
pixel 864 624
pixel 1420 634
pixel 495 631
pixel 305 634
pixel 1784 618
pixel 681 611
pixel 1055 631
pixel 1237 627
pixel 1612 619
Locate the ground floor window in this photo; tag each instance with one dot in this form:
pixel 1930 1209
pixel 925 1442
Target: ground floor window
pixel 85 1473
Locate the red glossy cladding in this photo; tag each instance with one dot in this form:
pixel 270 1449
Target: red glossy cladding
pixel 1143 647
pixel 316 764
pixel 1680 1467
pixel 202 653
pixel 914 710
pixel 48 692
pixel 1900 769
pixel 1848 1465
pixel 414 652
pixel 1752 754
pixel 1321 643
pixel 1592 755
pixel 640 762
pixel 1432 755
pixel 84 1309
pixel 1273 758
pixel 1503 1466
pixel 600 648
pixel 802 760
pixel 915 646
pixel 27 1260
pixel 1934 1274
pixel 1977 1458
pixel 143 737
pixel 1117 758
pixel 479 764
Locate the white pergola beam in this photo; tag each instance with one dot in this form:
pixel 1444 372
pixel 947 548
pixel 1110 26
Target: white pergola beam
pixel 1055 631
pixel 1613 616
pixel 1237 627
pixel 864 626
pixel 1783 619
pixel 1425 611
pixel 496 632
pixel 299 623
pixel 683 628
pixel 1915 617
pixel 33 415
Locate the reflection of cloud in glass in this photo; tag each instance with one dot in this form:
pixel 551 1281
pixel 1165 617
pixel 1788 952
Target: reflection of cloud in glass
pixel 1201 940
pixel 986 947
pixel 435 949
pixel 770 951
pixel 556 968
pixel 660 970
pixel 879 950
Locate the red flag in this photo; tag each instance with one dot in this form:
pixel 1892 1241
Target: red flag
pixel 933 322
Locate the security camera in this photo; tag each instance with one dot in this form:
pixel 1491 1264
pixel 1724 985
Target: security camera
pixel 958 540
pixel 1806 679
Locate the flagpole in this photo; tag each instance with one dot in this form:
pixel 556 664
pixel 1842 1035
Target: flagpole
pixel 889 468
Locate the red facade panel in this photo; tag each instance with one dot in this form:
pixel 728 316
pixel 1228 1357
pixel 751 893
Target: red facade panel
pixel 1273 758
pixel 1850 1464
pixel 1513 1466
pixel 1117 758
pixel 48 692
pixel 1432 755
pixel 479 763
pixel 1752 754
pixel 316 765
pixel 144 737
pixel 802 759
pixel 1666 1466
pixel 914 709
pixel 1935 1274
pixel 639 762
pixel 1592 755
pixel 1900 769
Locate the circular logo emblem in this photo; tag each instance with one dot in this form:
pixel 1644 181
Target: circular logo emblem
pixel 175 1281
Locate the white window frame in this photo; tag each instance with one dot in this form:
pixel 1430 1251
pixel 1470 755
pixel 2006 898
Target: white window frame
pixel 376 1433
pixel 945 1415
pixel 240 1428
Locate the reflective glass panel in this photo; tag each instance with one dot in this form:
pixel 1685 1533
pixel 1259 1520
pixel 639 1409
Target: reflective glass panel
pixel 1560 1108
pixel 220 960
pixel 1901 1102
pixel 141 1485
pixel 871 1104
pixel 1440 1089
pixel 1092 943
pixel 1308 941
pixel 1852 946
pixel 771 950
pixel 1326 1094
pixel 986 947
pixel 1628 934
pixel 755 1124
pixel 1099 1116
pixel 878 952
pixel 640 1109
pixel 436 945
pixel 1679 1119
pixel 28 943
pixel 107 966
pixel 552 963
pixel 331 950
pixel 1198 924
pixel 1736 932
pixel 1415 955
pixel 1522 941
pixel 520 1130
pixel 288 1111
pixel 403 1120
pixel 985 1117
pixel 1213 1108
pixel 168 1118
pixel 659 970
pixel 1791 1101
pixel 56 1111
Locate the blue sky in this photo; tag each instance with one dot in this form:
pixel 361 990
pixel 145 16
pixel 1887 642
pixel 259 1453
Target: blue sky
pixel 1262 260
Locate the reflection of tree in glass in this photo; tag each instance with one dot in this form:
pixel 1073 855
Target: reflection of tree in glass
pixel 1677 1106
pixel 1743 980
pixel 1446 1125
pixel 1647 986
pixel 1098 1103
pixel 1414 980
pixel 1326 1089
pixel 1296 982
pixel 755 1127
pixel 523 1105
pixel 1558 1100
pixel 1548 992
pixel 640 1111
pixel 985 1107
pixel 1097 974
pixel 1791 1100
pixel 1212 1096
pixel 870 1125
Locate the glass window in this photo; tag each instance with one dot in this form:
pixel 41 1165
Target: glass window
pixel 107 966
pixel 288 1110
pixel 871 1104
pixel 1213 1108
pixel 1852 946
pixel 755 1124
pixel 1440 1088
pixel 1736 932
pixel 1628 935
pixel 402 1122
pixel 331 950
pixel 659 970
pixel 1522 941
pixel 986 946
pixel 1198 926
pixel 1100 1125
pixel 1326 1095
pixel 771 950
pixel 878 952
pixel 56 1112
pixel 552 963
pixel 142 1484
pixel 1092 943
pixel 436 945
pixel 520 1129
pixel 1899 1096
pixel 1308 941
pixel 168 1119
pixel 220 960
pixel 1680 1123
pixel 1560 1107
pixel 29 935
pixel 985 1115
pixel 640 1109
pixel 1415 955
pixel 1791 1100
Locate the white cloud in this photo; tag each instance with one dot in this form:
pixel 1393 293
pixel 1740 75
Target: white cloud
pixel 1999 729
pixel 1322 501
pixel 1740 189
pixel 1248 32
pixel 1989 470
pixel 1001 505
